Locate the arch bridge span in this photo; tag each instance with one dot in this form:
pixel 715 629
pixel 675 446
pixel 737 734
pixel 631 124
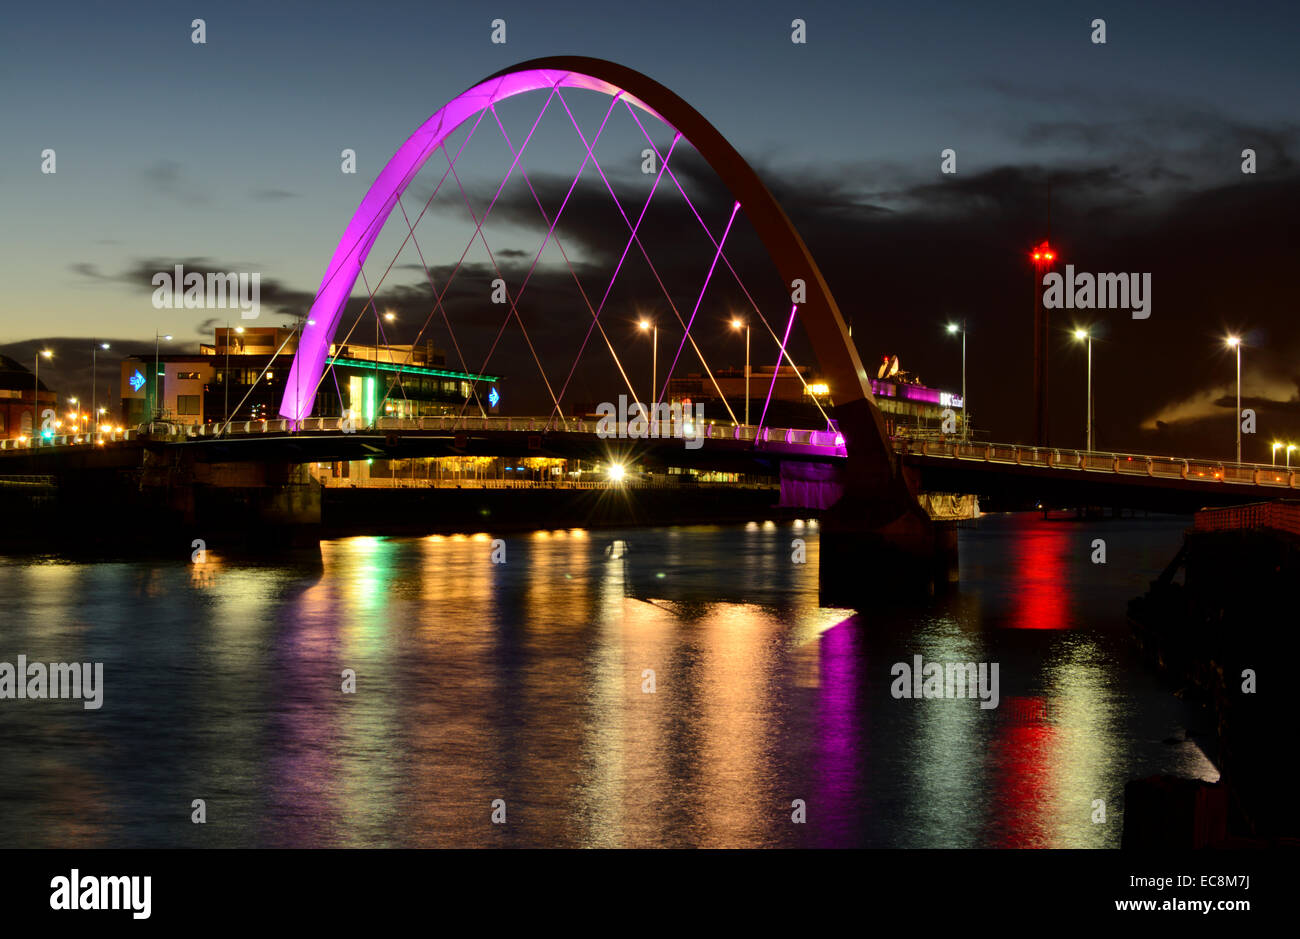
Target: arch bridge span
pixel 877 513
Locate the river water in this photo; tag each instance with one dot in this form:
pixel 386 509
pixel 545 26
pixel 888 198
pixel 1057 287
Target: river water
pixel 649 687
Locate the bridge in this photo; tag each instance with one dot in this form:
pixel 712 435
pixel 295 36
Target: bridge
pixel 876 530
pixel 1065 476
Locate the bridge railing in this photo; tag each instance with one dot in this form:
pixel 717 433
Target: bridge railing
pixel 171 431
pixel 97 439
pixel 1096 461
pixel 1284 516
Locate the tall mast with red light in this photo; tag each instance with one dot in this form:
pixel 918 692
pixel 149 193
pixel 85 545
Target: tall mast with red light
pixel 1043 258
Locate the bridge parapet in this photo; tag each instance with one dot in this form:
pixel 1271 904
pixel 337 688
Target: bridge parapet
pixel 829 440
pixel 67 440
pixel 1094 461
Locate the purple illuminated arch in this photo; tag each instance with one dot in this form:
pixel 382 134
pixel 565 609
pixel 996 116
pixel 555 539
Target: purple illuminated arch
pixel 854 405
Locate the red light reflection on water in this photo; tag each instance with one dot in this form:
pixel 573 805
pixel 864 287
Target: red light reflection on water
pixel 1021 757
pixel 1040 581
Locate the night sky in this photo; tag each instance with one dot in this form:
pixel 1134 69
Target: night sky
pixel 226 157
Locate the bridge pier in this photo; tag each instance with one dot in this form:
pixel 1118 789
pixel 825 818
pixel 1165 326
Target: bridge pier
pixel 244 507
pixel 861 566
pixel 877 542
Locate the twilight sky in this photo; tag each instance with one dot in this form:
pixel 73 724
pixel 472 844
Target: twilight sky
pixel 225 156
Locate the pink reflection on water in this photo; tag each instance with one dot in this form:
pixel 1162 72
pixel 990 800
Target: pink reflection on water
pixel 840 738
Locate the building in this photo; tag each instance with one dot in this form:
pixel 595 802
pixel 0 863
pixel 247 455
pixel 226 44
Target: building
pixel 241 375
pixel 18 394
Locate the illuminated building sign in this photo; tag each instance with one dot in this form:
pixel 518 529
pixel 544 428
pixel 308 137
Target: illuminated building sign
pixel 136 380
pixel 493 397
pixel 887 389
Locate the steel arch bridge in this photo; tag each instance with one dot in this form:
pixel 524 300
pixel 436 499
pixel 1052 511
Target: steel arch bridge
pixel 874 494
pixel 819 312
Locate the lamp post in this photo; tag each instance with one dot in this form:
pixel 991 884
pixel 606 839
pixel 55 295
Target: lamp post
pixel 736 324
pixel 653 329
pixel 389 316
pixel 94 375
pixel 1084 336
pixel 954 328
pixel 302 324
pixel 1289 448
pixel 240 331
pixel 1275 446
pixel 157 411
pixel 1234 342
pixel 36 393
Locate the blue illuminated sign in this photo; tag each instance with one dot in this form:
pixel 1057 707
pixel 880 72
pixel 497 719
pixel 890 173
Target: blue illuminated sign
pixel 493 397
pixel 136 380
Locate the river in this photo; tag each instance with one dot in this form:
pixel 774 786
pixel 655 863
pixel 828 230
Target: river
pixel 651 687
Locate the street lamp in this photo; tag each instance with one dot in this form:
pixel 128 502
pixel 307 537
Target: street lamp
pixel 653 329
pixel 1084 336
pixel 240 331
pixel 389 316
pixel 1234 342
pixel 736 324
pixel 953 329
pixel 94 349
pixel 1289 448
pixel 36 393
pixel 1275 446
pixel 157 411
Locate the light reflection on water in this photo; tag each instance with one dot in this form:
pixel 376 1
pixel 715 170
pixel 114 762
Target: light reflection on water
pixel 524 681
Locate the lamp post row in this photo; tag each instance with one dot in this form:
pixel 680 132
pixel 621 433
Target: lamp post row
pixel 1083 335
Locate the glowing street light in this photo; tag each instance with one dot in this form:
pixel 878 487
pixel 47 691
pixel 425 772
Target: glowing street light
pixel 736 324
pixel 616 472
pixel 94 375
pixel 653 328
pixel 157 411
pixel 1084 336
pixel 239 330
pixel 389 317
pixel 1276 444
pixel 1234 342
pixel 953 329
pixel 1289 448
pixel 36 392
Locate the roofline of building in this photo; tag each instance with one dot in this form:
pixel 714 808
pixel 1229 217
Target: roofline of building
pixel 363 364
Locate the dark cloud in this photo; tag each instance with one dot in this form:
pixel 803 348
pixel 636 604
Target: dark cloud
pixel 275 297
pixel 272 195
pixel 165 177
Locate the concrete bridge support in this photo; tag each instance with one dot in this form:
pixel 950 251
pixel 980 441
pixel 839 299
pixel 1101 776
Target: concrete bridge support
pixel 863 566
pixel 242 507
pixel 877 542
